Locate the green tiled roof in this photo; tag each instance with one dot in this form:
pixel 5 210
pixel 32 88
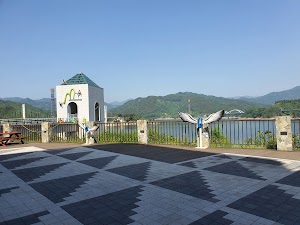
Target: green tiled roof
pixel 80 78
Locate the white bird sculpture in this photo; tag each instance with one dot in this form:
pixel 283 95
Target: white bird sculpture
pixel 185 117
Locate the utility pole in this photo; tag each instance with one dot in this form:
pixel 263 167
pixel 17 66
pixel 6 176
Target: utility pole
pixel 52 100
pixel 189 105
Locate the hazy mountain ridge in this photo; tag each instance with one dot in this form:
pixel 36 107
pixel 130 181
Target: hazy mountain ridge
pixel 273 97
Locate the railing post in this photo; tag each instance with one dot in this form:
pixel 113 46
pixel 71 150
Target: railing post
pixel 45 132
pixel 142 132
pixel 6 127
pixel 284 133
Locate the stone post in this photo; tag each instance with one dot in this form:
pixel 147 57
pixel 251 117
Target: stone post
pixel 46 134
pixel 142 132
pixel 284 133
pixel 6 127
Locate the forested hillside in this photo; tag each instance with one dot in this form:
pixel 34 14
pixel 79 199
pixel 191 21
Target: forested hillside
pixel 169 105
pixel 10 109
pixel 280 108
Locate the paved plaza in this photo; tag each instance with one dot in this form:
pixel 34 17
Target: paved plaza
pixel 136 184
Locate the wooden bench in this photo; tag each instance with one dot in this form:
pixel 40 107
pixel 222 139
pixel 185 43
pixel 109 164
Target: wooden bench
pixel 11 136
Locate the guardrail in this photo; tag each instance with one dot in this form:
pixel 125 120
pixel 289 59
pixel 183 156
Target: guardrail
pixel 295 125
pixel 66 132
pixel 18 121
pixel 125 132
pixel 172 132
pixel 31 131
pixel 242 133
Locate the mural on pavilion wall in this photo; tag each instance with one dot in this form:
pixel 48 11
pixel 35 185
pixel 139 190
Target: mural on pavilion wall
pixel 73 96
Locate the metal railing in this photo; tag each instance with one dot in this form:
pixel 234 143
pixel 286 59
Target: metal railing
pixel 240 133
pixel 66 132
pixel 172 132
pixel 124 132
pixel 18 121
pixel 295 125
pixel 31 131
pixel 254 133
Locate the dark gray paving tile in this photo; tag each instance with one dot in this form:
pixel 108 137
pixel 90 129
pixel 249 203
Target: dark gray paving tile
pixel 293 179
pixel 192 184
pixel 21 162
pixel 136 171
pixel 11 156
pixel 56 190
pixel 162 154
pixel 112 208
pixel 216 217
pixel 270 203
pixel 26 220
pixel 234 168
pixel 7 190
pixel 32 173
pixel 58 151
pixel 223 156
pixel 99 163
pixel 74 156
pixel 188 164
pixel 261 160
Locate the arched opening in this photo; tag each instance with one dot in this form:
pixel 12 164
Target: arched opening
pixel 97 112
pixel 72 110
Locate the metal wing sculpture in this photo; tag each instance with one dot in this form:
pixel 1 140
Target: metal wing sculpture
pixel 185 117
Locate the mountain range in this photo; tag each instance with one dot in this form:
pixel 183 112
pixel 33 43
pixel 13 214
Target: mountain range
pixel 169 105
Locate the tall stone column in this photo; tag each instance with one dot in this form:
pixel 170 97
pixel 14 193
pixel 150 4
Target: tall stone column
pixel 284 133
pixel 142 132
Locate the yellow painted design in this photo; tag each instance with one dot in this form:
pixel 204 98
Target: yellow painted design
pixel 70 95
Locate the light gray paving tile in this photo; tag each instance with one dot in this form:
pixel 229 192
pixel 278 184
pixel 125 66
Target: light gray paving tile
pixel 147 221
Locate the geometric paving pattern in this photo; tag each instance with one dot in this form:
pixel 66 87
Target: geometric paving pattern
pixel 113 208
pixel 29 174
pixel 137 171
pixel 74 156
pixel 191 184
pixel 31 219
pixel 234 168
pixel 99 163
pixel 271 203
pixel 216 217
pixel 293 179
pixel 112 184
pixel 56 190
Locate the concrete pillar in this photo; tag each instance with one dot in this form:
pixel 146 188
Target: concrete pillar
pixel 284 133
pixel 142 132
pixel 89 135
pixel 6 127
pixel 46 134
pixel 205 138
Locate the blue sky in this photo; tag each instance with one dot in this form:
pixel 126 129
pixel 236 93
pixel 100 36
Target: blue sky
pixel 137 48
